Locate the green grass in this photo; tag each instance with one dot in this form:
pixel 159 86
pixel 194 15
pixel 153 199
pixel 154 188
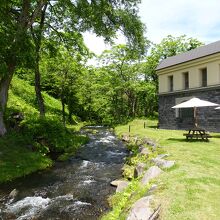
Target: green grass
pixel 22 98
pixel 16 159
pixel 191 189
pixel 23 150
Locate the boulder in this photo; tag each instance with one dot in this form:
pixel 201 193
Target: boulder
pixel 149 142
pixel 125 138
pixel 122 185
pixel 13 194
pixel 152 189
pixel 150 174
pixel 144 151
pixel 127 171
pixel 116 182
pixel 139 169
pixel 163 163
pixel 161 156
pixel 141 209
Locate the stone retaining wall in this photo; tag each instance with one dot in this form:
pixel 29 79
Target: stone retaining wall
pixel 208 117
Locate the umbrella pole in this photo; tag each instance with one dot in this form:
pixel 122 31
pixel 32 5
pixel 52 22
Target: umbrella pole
pixel 195 117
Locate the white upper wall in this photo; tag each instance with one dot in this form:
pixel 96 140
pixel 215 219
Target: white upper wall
pixel 193 67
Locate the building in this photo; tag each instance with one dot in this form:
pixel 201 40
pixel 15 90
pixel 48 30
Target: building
pixel 195 73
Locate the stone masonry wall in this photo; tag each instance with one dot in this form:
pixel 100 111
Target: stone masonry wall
pixel 208 117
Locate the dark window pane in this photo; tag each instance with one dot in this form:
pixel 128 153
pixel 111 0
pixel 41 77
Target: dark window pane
pixel 204 77
pixel 186 113
pixel 186 80
pixel 170 78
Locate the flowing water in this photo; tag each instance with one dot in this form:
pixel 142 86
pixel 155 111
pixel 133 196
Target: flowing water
pixel 75 189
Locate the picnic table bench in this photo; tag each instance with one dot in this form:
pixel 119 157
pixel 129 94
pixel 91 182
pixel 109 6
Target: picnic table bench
pixel 197 133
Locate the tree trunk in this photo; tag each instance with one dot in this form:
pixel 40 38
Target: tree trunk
pixel 39 96
pixel 4 87
pixel 63 110
pixel 23 22
pixel 37 36
pixel 63 98
pixel 70 119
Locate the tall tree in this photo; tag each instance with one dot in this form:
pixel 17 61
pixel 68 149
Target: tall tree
pixel 169 46
pixel 60 73
pixel 16 19
pixel 67 19
pixel 37 34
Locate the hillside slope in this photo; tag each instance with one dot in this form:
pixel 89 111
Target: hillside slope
pixel 30 139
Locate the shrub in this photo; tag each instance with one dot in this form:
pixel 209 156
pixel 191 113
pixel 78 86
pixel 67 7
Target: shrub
pixel 48 132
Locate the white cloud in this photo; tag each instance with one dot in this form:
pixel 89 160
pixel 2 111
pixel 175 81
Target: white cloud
pixel 195 18
pixel 97 44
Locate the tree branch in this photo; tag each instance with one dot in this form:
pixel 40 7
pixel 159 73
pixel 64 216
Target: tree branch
pixel 36 12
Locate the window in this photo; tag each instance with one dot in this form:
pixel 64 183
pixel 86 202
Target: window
pixel 170 81
pixel 186 80
pixel 186 113
pixel 179 113
pixel 203 77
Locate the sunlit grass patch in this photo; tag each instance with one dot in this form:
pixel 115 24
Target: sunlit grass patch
pixel 189 190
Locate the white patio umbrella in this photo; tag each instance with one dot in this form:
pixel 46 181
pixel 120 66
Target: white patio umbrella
pixel 218 107
pixel 195 103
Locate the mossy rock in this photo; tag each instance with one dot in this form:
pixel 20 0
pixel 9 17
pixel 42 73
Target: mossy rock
pixel 128 171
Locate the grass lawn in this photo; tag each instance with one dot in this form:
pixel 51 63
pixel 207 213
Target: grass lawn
pixel 191 189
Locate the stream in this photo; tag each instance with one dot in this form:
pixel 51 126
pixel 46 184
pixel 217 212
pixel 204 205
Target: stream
pixel 75 189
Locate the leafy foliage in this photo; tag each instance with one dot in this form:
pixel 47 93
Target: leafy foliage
pixel 29 28
pixel 169 46
pixel 25 148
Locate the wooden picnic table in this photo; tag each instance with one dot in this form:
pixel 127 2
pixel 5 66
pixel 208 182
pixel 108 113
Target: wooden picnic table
pixel 197 133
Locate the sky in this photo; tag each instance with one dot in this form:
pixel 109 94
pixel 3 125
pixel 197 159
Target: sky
pixel 195 18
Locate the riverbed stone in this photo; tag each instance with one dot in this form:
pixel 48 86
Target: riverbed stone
pixel 116 182
pixel 152 189
pixel 150 174
pixel 125 138
pixel 144 151
pixel 13 194
pixel 162 156
pixel 141 209
pixel 163 163
pixel 139 169
pixel 149 142
pixel 121 186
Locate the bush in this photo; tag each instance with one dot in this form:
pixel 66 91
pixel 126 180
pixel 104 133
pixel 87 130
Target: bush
pixel 48 132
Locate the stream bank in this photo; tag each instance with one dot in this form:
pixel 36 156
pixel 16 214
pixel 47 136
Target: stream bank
pixel 74 189
pixel 134 198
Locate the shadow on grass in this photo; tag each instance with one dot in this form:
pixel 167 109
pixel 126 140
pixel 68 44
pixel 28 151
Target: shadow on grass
pixel 216 135
pixel 185 140
pixel 177 139
pixel 152 126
